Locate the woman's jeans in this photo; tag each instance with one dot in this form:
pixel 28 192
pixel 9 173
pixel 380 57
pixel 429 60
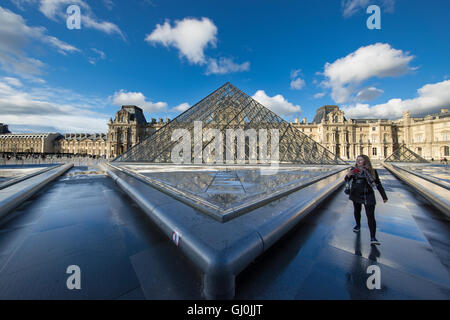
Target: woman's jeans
pixel 370 213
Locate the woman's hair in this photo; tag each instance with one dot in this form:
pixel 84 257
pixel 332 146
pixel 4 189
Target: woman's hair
pixel 367 164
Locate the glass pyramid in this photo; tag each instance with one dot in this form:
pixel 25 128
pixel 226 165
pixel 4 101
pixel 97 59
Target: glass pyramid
pixel 230 108
pixel 403 154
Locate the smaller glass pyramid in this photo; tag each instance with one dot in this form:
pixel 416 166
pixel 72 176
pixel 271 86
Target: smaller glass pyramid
pixel 403 154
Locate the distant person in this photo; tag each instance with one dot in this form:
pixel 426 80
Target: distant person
pixel 364 180
pixel 445 161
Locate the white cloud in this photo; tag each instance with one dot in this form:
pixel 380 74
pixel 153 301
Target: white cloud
pixel 368 94
pixel 319 95
pixel 15 34
pixel 190 36
pixel 100 55
pixel 56 10
pixel 431 98
pixel 297 83
pixel 61 45
pixel 351 7
pixel 123 97
pixel 278 104
pixel 12 81
pixel 378 60
pixel 225 65
pixel 181 107
pixel 45 109
pixel 109 4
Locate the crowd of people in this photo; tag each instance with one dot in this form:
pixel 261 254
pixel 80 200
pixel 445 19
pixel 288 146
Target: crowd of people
pixel 30 158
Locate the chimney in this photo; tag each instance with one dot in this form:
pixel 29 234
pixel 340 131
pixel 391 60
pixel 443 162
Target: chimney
pixel 304 120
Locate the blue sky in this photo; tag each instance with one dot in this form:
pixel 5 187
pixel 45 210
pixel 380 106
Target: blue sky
pixel 164 56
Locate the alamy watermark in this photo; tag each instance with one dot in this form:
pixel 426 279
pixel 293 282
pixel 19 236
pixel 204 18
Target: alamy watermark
pixel 73 20
pixel 374 281
pixel 374 21
pixel 213 153
pixel 74 280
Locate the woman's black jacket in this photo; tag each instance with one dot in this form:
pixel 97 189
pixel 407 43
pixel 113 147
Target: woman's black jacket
pixel 362 192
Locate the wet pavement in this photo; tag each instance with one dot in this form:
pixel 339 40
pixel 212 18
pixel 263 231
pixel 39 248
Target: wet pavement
pixel 84 219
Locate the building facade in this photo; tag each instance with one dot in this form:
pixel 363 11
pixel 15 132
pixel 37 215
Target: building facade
pixel 128 128
pixel 83 144
pixel 29 142
pixel 378 138
pixel 347 138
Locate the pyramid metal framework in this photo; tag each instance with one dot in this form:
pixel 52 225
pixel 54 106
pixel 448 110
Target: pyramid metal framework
pixel 403 154
pixel 230 108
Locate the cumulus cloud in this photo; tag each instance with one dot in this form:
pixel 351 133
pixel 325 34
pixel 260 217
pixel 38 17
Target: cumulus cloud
pixel 181 107
pixel 15 34
pixel 56 10
pixel 47 111
pixel 225 65
pixel 123 97
pixel 368 94
pixel 190 36
pixel 351 7
pixel 278 104
pixel 297 83
pixel 378 60
pixel 430 99
pixel 319 95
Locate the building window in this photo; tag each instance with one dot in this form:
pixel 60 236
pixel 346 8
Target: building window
pixel 373 128
pixel 446 151
pixel 374 151
pixel 419 151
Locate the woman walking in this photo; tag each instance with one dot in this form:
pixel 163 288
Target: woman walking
pixel 365 179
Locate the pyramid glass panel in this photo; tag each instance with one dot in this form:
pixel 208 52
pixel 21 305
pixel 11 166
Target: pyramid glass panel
pixel 403 154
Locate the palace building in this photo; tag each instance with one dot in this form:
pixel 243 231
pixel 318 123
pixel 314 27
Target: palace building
pixel 347 138
pixel 29 142
pixel 378 138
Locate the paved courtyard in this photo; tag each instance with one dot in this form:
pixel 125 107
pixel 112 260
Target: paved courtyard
pixel 84 219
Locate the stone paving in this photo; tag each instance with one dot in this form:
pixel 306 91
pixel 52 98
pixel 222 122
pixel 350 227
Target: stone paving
pixel 83 219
